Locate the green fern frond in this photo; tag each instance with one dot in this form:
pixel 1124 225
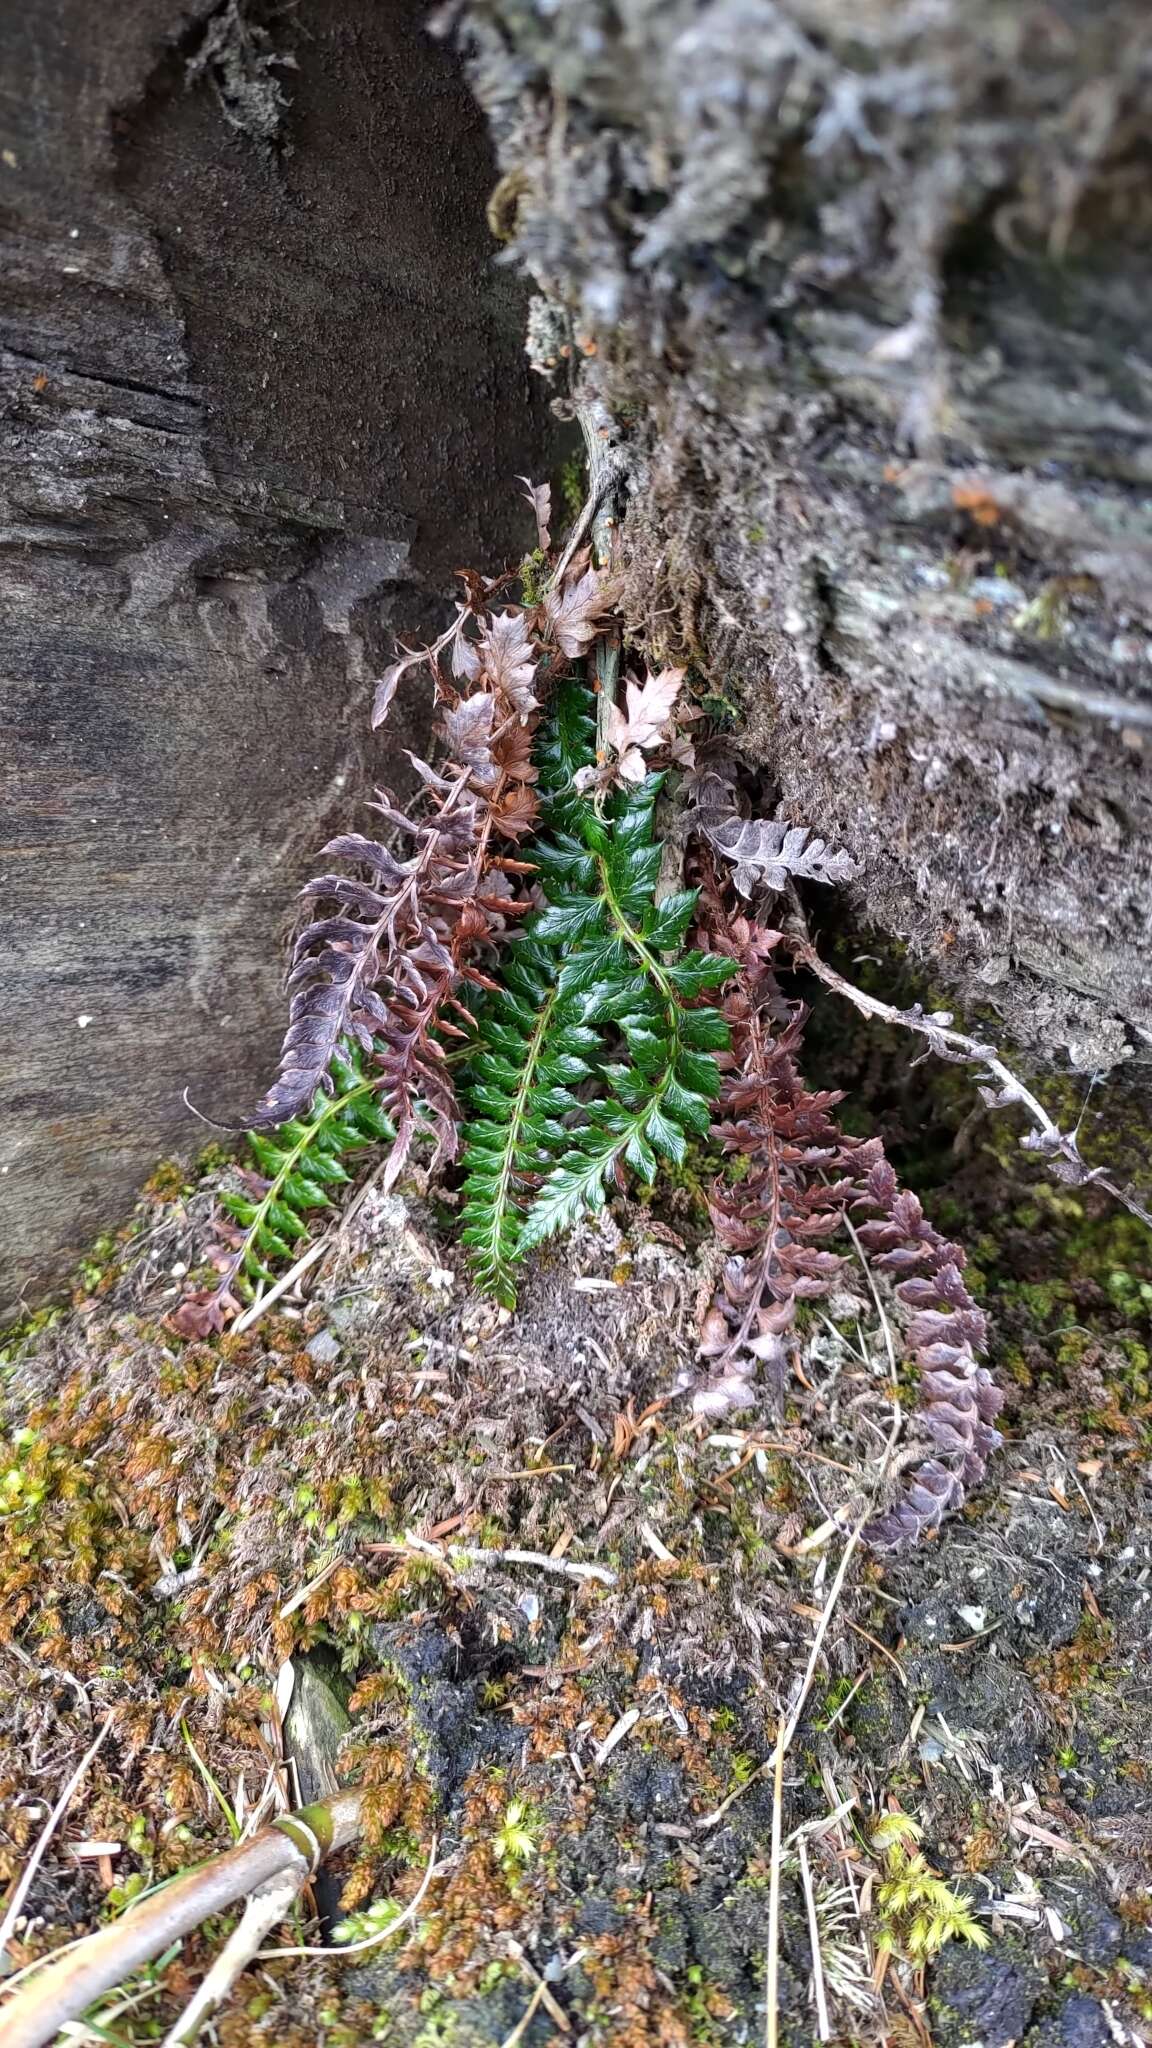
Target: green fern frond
pixel 590 1004
pixel 533 1052
pixel 601 889
pixel 565 745
pixel 302 1162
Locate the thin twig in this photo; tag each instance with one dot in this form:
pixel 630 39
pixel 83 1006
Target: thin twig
pixel 1059 1148
pixel 24 1881
pixel 559 1565
pixel 847 1700
pixel 314 1584
pixel 70 1983
pixel 264 1911
pixel 591 506
pixel 286 1280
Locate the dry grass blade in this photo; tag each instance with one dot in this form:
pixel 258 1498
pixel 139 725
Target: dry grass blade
pixel 282 1287
pixel 555 2011
pixel 558 1565
pixel 514 2039
pixel 787 1730
pixel 264 1911
pixel 823 2026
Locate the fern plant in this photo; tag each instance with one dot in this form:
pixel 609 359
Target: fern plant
pixel 589 1060
pixel 604 1037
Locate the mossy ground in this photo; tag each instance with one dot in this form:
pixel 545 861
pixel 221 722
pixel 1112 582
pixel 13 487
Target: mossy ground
pixel 181 1519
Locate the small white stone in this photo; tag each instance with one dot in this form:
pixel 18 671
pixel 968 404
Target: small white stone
pixel 84 1022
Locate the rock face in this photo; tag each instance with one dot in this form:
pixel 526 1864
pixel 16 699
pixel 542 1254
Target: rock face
pixel 262 391
pixel 870 287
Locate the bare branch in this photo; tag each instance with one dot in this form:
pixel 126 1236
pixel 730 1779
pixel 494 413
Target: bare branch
pixel 68 1984
pixel 1058 1148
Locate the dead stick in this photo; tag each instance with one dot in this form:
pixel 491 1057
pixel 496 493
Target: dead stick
pixel 67 1987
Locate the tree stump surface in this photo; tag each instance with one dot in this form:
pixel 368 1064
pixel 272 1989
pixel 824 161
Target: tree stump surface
pixel 869 287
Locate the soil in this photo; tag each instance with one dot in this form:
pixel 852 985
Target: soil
pixel 577 1738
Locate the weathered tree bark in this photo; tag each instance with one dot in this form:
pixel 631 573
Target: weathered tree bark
pixel 869 284
pixel 263 390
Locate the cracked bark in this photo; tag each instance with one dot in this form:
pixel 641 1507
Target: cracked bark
pixel 870 287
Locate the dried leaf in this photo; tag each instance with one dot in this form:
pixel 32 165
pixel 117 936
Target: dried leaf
pixel 464 663
pixel 512 753
pixel 539 496
pixel 205 1313
pixel 386 687
pixel 468 732
pixel 646 721
pixel 576 612
pixel 517 812
pixel 764 852
pixel 508 659
pixel 465 660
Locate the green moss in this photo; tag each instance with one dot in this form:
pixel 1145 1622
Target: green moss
pixel 572 483
pixel 534 570
pixel 27 1326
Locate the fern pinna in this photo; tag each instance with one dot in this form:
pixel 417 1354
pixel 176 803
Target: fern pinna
pixel 590 1060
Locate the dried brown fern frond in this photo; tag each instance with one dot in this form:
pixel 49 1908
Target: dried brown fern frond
pixel 802 1175
pixel 387 964
pixel 959 1401
pixel 800 1172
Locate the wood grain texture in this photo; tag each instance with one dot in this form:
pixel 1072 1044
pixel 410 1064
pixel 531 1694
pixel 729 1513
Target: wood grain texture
pixel 258 397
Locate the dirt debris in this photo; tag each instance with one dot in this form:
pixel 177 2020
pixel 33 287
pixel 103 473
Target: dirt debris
pixel 185 1519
